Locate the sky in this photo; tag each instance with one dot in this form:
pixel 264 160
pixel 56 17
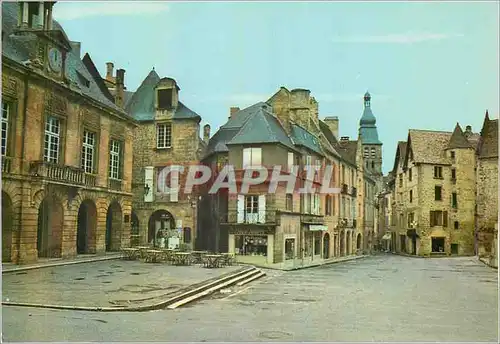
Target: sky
pixel 427 65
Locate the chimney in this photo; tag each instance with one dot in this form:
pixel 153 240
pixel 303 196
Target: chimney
pixel 344 139
pixel 333 124
pixel 206 133
pixel 233 110
pixel 468 131
pixel 76 48
pixel 109 71
pixel 120 81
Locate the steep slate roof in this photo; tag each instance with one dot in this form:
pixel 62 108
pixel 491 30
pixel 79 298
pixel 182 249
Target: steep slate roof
pixel 262 127
pixel 87 61
pixel 301 137
pixel 18 47
pixel 428 146
pixel 488 143
pixel 344 153
pixel 325 129
pixel 458 139
pixel 141 103
pixel 400 154
pixel 348 150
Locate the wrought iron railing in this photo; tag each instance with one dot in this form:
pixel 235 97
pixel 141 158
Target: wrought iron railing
pixel 249 217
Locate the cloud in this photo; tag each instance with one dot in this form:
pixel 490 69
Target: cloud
pixel 72 10
pixel 405 38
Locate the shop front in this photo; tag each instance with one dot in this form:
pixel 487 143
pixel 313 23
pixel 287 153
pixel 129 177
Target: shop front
pixel 313 236
pixel 252 246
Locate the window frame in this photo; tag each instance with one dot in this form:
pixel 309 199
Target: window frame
pixel 251 163
pixel 47 135
pixel 119 156
pixel 436 188
pixel 168 129
pixel 84 152
pixel 5 147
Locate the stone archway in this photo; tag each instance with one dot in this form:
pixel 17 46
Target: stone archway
pixel 114 226
pixel 50 227
pixel 342 243
pixel 348 243
pixel 160 223
pixel 358 242
pixel 7 222
pixel 86 228
pixel 326 246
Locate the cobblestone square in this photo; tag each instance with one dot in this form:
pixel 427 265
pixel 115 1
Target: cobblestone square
pixel 380 298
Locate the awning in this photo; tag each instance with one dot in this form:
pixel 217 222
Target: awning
pixel 387 236
pixel 318 228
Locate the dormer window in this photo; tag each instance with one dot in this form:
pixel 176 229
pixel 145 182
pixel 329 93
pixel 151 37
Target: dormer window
pixel 165 99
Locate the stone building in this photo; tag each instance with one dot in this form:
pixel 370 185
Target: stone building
pixel 167 133
pixel 66 145
pixel 434 192
pixel 275 227
pixel 385 214
pixel 487 191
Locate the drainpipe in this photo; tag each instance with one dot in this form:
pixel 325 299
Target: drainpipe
pixel 25 114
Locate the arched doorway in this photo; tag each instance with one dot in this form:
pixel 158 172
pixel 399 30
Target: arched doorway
pixel 358 242
pixel 7 221
pixel 342 243
pixel 161 222
pixel 326 246
pixel 114 222
pixel 50 226
pixel 348 243
pixel 134 230
pixel 86 228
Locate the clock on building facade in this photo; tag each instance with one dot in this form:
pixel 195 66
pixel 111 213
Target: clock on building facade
pixel 55 59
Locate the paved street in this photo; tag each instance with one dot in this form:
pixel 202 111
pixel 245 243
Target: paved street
pixel 103 284
pixel 381 298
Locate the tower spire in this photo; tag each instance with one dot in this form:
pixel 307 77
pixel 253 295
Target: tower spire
pixel 367 99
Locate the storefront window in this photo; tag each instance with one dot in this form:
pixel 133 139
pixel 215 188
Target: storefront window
pixel 250 245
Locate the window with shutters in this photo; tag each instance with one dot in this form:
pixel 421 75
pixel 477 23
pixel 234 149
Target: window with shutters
pixel 438 218
pixel 52 140
pixel 252 157
pixel 5 126
pixel 454 200
pixel 252 208
pixel 438 190
pixel 88 149
pixel 115 152
pixel 163 135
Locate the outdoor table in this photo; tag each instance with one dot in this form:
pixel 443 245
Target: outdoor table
pixel 130 253
pixel 228 258
pixel 197 256
pixel 182 258
pixel 152 256
pixel 212 260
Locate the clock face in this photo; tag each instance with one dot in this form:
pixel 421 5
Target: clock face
pixel 55 60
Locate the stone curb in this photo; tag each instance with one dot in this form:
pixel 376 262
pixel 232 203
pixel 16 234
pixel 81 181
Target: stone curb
pixel 310 265
pixel 158 305
pixel 59 263
pixel 485 262
pixel 430 257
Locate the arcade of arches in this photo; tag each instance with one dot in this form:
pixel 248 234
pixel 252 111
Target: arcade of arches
pixel 52 227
